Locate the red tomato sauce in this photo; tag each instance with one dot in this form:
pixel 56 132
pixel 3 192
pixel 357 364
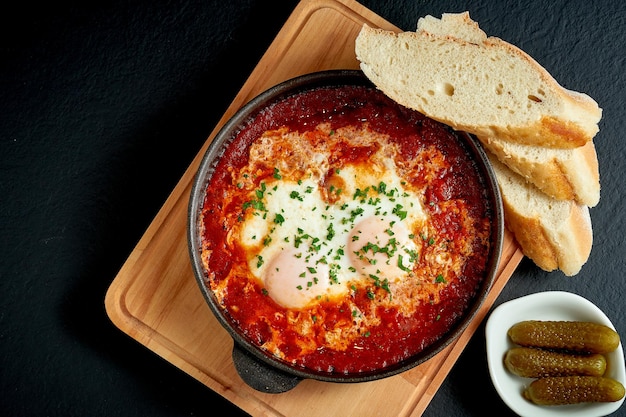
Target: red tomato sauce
pixel 399 337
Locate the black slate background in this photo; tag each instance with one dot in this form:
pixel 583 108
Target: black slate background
pixel 102 107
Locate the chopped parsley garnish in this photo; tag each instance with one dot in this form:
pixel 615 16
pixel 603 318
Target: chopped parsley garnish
pixel 261 192
pixel 255 204
pixel 401 265
pixel 331 232
pixel 296 195
pixel 360 194
pixel 397 210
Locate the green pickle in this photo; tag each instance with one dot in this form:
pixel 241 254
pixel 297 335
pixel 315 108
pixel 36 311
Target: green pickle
pixel 574 390
pixel 573 336
pixel 537 363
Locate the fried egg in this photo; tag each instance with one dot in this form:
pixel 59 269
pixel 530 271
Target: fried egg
pixel 305 248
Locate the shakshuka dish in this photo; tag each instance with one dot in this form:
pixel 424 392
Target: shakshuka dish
pixel 342 233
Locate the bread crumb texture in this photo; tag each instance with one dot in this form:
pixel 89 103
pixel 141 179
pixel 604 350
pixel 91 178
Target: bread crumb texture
pixel 452 72
pixel 538 134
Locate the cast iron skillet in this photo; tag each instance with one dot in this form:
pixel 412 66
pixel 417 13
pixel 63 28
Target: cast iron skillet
pixel 258 369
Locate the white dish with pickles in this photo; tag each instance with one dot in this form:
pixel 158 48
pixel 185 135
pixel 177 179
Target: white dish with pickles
pixel 546 306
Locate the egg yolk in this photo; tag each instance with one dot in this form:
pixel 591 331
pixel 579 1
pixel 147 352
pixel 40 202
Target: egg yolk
pixel 381 247
pixel 293 281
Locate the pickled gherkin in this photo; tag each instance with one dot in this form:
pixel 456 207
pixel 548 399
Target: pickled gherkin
pixel 536 363
pixel 574 336
pixel 574 390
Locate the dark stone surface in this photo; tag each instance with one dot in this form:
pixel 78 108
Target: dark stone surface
pixel 104 104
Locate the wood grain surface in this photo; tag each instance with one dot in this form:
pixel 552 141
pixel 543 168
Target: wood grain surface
pixel 156 300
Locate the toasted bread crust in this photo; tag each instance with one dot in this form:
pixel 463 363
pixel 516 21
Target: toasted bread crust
pixel 420 70
pixel 571 174
pixel 579 235
pixel 554 234
pixel 537 133
pixel 532 238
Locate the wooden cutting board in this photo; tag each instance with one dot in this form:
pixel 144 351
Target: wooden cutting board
pixel 156 300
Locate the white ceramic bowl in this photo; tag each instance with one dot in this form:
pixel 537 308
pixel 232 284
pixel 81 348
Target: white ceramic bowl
pixel 551 305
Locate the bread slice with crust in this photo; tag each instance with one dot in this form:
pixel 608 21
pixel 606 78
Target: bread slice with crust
pixel 561 173
pixel 452 72
pixel 555 234
pixel 564 174
pixel 458 25
pixel 538 134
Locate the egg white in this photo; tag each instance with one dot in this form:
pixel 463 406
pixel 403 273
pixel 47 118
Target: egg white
pixel 305 250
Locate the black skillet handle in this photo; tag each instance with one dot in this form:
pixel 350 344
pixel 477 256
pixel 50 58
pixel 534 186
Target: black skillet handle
pixel 260 376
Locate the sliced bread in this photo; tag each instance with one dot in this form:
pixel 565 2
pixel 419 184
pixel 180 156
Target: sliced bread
pixel 564 174
pixel 555 234
pixel 510 95
pixel 458 25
